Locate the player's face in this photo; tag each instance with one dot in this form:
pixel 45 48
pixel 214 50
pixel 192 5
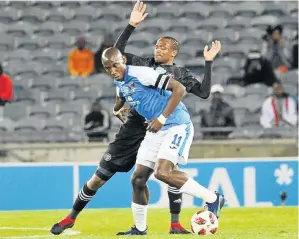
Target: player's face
pixel 163 51
pixel 116 68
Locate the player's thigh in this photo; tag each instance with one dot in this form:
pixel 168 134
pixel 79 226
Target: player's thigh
pixel 176 144
pixel 149 148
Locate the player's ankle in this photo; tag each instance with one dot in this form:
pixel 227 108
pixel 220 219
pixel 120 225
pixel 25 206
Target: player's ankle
pixel 176 225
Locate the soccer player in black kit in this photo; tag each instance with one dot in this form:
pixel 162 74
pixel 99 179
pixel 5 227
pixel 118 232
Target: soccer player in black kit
pixel 121 153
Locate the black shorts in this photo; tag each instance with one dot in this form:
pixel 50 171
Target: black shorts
pixel 122 152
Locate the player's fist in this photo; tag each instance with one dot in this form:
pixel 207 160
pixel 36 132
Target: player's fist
pixel 154 126
pixel 122 114
pixel 209 55
pixel 138 13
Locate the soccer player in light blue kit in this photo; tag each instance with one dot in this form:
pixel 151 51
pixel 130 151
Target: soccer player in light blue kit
pixel 157 97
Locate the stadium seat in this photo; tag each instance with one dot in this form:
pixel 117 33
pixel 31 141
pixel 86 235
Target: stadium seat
pixel 262 22
pixel 48 29
pixel 86 13
pixel 225 65
pixel 199 38
pixel 30 44
pixel 43 111
pixel 55 70
pixel 108 93
pixel 238 23
pixel 28 125
pixel 274 9
pixel 102 26
pixel 142 39
pixel 30 70
pixel 291 89
pixel 34 15
pixel 184 25
pixel 250 119
pixel 212 24
pixel 292 77
pixel 80 94
pixel 234 90
pixel 69 108
pixel 6 42
pixel 154 26
pixel 251 36
pixel 75 28
pixel 9 15
pixel 69 84
pixel 186 53
pixel 222 10
pixel 248 9
pixel 20 29
pixel 20 54
pixel 60 14
pixel 239 51
pixel 289 22
pixel 6 125
pixel 43 83
pixel 54 125
pixel 169 11
pixel 27 97
pixel 112 13
pixel 256 89
pixel 57 96
pixel 46 55
pixel 70 5
pixel 202 105
pixel 226 36
pixel 16 111
pixel 195 65
pixel 61 42
pixel 3 28
pixel 195 10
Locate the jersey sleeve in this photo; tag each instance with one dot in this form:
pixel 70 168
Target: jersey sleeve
pixel 149 77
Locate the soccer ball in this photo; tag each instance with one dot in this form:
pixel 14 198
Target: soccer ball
pixel 204 223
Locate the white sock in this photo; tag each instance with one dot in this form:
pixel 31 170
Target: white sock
pixel 139 214
pixel 193 188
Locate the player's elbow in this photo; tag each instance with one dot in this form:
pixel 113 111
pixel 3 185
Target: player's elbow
pixel 204 95
pixel 179 90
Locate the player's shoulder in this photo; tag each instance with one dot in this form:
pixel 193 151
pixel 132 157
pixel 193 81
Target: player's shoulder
pixel 139 70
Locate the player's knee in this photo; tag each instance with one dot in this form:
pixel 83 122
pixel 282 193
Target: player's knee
pixel 138 182
pixel 95 183
pixel 161 175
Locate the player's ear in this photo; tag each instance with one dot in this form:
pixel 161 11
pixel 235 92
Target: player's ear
pixel 124 60
pixel 174 53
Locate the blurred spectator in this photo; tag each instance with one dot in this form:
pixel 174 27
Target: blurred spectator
pixel 81 59
pixel 98 66
pixel 97 122
pixel 279 109
pixel 6 88
pixel 275 50
pixel 294 59
pixel 258 70
pixel 220 115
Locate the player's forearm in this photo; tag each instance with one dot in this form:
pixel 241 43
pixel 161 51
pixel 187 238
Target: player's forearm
pixel 119 103
pixel 122 40
pixel 203 89
pixel 176 97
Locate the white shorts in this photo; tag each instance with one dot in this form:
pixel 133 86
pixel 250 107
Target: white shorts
pixel 172 144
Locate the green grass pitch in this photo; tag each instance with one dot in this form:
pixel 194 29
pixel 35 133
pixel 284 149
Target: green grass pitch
pixel 235 223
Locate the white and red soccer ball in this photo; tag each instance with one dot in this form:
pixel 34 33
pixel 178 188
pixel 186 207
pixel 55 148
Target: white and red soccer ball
pixel 204 223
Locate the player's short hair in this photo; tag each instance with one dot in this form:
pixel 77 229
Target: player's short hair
pixel 174 43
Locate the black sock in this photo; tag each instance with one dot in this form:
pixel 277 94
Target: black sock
pixel 175 203
pixel 84 196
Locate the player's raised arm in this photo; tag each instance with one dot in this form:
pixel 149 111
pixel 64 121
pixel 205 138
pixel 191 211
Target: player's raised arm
pixel 203 89
pixel 137 16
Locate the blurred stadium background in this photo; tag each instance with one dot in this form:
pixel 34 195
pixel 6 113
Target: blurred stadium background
pixel 45 121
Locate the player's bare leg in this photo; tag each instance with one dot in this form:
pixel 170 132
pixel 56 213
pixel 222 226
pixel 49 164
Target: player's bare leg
pixel 166 173
pixel 140 200
pixel 84 196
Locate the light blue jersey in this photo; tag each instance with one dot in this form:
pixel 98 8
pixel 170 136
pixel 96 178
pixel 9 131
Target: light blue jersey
pixel 145 90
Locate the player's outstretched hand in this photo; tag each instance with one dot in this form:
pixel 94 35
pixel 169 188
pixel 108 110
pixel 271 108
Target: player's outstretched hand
pixel 138 13
pixel 122 115
pixel 154 126
pixel 209 55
